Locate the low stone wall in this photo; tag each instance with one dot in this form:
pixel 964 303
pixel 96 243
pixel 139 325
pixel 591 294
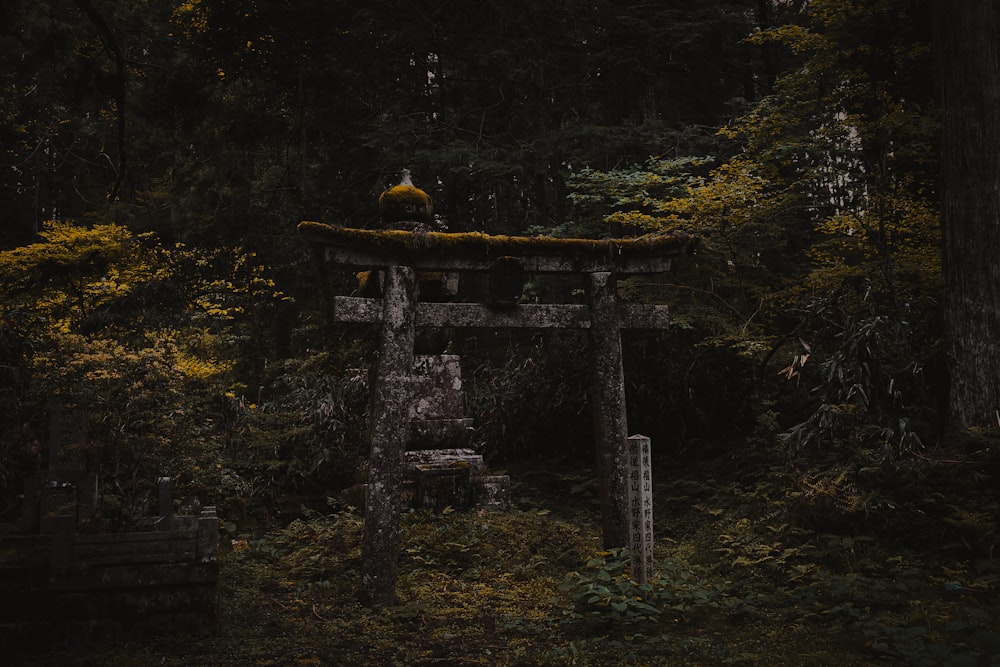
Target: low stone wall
pixel 453 477
pixel 67 588
pixel 438 478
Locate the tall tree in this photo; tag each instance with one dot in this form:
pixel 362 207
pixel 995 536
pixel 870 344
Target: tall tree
pixel 970 208
pixel 824 227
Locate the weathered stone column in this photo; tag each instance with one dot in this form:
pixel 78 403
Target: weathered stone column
pixel 607 396
pixel 390 416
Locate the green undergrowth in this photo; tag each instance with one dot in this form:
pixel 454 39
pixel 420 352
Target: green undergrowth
pixel 784 566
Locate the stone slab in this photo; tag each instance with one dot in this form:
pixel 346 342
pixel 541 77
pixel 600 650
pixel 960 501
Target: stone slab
pixel 437 387
pixel 437 433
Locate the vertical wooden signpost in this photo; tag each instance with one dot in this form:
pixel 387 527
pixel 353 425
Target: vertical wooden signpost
pixel 398 255
pixel 640 509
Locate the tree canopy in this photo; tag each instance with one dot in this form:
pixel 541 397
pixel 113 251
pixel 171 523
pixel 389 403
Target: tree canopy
pixel 797 141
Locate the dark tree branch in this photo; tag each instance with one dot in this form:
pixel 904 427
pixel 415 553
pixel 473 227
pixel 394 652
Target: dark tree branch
pixel 111 42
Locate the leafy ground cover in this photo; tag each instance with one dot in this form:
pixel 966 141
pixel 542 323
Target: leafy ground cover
pixel 772 565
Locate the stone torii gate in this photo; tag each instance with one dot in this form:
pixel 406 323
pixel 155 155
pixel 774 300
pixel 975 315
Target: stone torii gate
pixel 398 256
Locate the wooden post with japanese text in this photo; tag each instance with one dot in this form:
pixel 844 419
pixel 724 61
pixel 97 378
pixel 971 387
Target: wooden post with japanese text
pixel 640 509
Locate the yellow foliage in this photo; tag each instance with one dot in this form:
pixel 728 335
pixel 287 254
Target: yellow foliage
pixel 197 368
pixel 192 17
pixel 798 39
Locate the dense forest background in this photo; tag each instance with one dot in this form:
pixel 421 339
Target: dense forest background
pixel 158 156
pixel 822 411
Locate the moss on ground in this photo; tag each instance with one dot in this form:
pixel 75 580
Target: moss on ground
pixel 775 568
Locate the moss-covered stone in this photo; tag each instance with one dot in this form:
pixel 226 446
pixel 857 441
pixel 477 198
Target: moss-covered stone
pixel 475 244
pixel 405 202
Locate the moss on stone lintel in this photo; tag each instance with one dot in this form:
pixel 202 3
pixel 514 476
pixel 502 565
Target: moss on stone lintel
pixel 475 244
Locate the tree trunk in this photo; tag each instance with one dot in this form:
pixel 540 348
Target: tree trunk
pixel 970 207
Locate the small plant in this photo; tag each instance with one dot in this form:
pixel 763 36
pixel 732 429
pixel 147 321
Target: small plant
pixel 261 550
pixel 604 590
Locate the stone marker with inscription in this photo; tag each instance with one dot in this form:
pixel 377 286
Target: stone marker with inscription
pixel 640 509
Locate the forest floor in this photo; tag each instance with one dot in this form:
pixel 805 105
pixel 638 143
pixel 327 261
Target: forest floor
pixel 760 563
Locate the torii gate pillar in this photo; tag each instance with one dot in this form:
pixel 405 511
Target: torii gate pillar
pixel 389 427
pixel 607 388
